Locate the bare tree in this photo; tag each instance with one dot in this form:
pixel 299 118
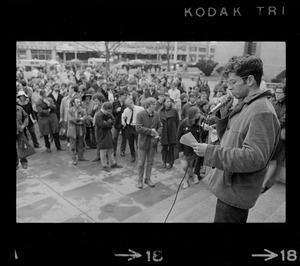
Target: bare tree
pixel 108 49
pixel 170 47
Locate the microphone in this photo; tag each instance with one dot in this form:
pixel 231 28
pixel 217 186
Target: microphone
pixel 221 104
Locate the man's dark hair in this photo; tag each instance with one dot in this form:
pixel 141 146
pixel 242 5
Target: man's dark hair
pixel 245 65
pixel 75 88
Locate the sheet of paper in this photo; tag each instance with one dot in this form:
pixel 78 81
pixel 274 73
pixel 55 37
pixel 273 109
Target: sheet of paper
pixel 188 139
pixel 213 135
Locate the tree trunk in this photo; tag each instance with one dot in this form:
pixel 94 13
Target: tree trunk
pixel 107 56
pixel 168 57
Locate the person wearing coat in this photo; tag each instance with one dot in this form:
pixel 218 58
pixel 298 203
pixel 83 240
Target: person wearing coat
pixel 118 109
pixel 64 107
pixel 104 122
pixel 148 127
pixel 24 102
pixel 22 122
pixel 48 122
pixel 57 97
pixel 192 124
pixel 88 104
pixel 248 133
pixel 170 120
pixel 76 129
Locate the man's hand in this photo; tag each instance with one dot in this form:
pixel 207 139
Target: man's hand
pixel 118 109
pixel 200 148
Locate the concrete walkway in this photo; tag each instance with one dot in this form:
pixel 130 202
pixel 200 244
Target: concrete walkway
pixel 55 191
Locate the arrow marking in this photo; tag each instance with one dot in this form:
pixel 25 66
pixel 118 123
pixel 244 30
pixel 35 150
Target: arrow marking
pixel 132 256
pixel 269 256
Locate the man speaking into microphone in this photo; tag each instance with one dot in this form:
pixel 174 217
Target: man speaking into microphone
pixel 248 133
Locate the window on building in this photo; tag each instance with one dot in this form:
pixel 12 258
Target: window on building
pixel 41 54
pixel 21 54
pixel 212 50
pixel 202 49
pixel 193 57
pixel 193 49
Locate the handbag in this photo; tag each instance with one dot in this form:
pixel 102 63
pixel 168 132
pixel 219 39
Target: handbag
pixel 25 149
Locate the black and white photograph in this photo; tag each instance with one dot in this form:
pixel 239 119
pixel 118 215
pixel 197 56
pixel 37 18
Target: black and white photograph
pixel 154 132
pixel 106 121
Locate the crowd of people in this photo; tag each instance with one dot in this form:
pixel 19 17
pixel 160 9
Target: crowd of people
pixel 92 108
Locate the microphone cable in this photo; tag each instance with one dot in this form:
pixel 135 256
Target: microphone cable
pixel 193 156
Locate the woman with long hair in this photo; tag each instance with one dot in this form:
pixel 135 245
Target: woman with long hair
pixel 170 120
pixel 192 123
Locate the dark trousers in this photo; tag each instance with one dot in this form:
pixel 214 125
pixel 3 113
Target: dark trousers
pixel 56 140
pixel 116 133
pixel 22 160
pixel 167 153
pixel 131 135
pixel 229 214
pixel 77 146
pixel 90 138
pixel 33 136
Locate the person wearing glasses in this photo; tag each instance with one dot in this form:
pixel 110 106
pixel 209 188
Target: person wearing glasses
pixel 249 134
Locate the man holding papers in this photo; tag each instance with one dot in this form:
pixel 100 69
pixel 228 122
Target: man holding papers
pixel 248 136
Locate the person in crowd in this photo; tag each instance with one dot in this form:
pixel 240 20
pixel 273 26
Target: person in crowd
pixel 175 96
pixel 34 98
pixel 64 107
pixel 128 119
pixel 279 155
pixel 118 109
pixel 88 105
pixel 28 90
pixel 249 134
pixel 217 98
pixel 131 93
pixel 48 122
pixel 180 85
pixel 148 126
pixel 76 129
pixel 82 90
pixel 104 122
pixel 24 102
pixel 98 100
pixel 160 101
pixel 188 105
pixel 104 91
pixel 169 118
pixel 151 91
pixel 204 87
pixel 57 98
pixel 92 82
pixel 21 124
pixel 184 98
pixel 187 156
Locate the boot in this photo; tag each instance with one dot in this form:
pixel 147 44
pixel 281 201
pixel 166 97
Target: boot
pixel 149 183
